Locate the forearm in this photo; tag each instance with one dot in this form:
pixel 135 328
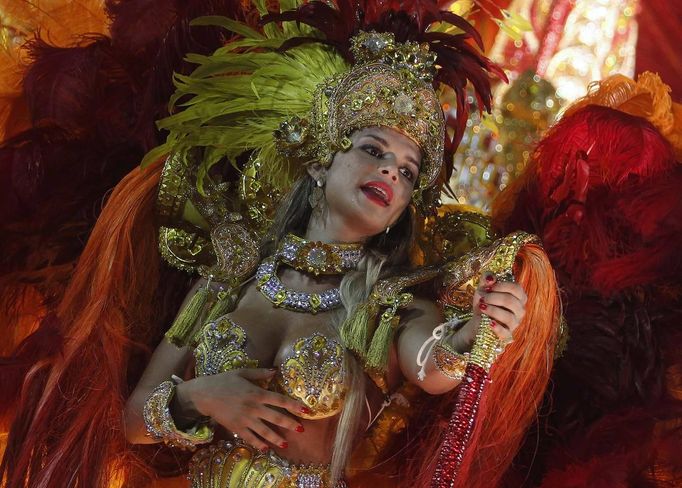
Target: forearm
pixel 166 361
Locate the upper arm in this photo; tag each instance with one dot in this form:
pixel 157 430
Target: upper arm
pixel 416 328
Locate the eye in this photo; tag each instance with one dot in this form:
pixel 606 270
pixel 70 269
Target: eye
pixel 407 173
pixel 372 151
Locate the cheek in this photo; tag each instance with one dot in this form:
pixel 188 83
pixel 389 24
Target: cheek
pixel 340 188
pixel 401 203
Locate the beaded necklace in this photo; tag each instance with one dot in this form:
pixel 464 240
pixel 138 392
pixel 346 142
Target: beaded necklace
pixel 306 256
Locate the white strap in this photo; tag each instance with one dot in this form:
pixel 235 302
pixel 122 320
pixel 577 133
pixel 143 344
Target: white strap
pixel 383 406
pixel 428 345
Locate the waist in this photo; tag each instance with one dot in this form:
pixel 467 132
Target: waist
pixel 234 464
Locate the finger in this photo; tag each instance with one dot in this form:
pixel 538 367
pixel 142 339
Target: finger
pixel 508 287
pixel 506 300
pixel 268 434
pixel 278 400
pixel 487 279
pixel 253 440
pixel 500 315
pixel 255 374
pixel 502 333
pixel 277 418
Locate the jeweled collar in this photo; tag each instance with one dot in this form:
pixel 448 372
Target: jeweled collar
pixel 318 257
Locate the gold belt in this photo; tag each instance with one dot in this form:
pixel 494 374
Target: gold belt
pixel 235 464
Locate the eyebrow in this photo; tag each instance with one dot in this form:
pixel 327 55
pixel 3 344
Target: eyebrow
pixel 383 141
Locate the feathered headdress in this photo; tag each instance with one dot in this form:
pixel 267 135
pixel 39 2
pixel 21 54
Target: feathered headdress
pixel 274 99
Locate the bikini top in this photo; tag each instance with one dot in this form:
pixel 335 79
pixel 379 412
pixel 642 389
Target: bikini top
pixel 313 373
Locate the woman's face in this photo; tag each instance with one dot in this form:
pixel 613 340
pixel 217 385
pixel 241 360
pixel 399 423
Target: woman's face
pixel 369 186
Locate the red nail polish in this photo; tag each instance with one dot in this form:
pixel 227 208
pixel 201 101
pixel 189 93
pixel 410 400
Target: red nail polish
pixel 284 445
pixel 299 428
pixel 488 289
pixel 482 306
pixel 493 323
pixel 306 410
pixel 490 278
pixel 264 449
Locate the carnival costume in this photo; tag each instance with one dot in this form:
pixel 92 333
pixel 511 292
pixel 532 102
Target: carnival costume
pixel 280 95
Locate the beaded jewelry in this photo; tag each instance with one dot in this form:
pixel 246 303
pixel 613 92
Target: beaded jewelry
pixel 161 426
pixel 319 257
pixel 274 290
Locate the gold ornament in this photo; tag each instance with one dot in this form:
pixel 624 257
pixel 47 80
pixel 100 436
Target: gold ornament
pixel 319 257
pixel 389 86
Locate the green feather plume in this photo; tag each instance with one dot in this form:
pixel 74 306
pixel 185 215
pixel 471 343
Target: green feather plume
pixel 236 97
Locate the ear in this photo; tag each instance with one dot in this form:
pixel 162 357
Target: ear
pixel 317 171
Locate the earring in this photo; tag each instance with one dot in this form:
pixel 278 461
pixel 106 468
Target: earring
pixel 388 229
pixel 316 198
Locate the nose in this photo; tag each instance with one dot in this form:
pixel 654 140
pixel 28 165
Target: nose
pixel 390 170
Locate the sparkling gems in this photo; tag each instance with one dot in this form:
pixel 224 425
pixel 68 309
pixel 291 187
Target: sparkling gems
pixel 375 43
pixel 317 257
pixel 254 469
pixel 404 104
pixel 298 301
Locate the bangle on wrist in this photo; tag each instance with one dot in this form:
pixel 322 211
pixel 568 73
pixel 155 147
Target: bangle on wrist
pixel 438 336
pixel 448 361
pixel 161 426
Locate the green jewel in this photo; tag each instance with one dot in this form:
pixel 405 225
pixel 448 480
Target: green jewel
pixel 346 144
pixel 263 279
pixel 315 301
pixel 279 297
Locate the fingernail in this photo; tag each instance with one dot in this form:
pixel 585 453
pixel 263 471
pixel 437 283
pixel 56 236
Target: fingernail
pixel 488 289
pixel 306 410
pixel 493 323
pixel 299 428
pixel 482 306
pixel 263 449
pixel 284 445
pixel 490 278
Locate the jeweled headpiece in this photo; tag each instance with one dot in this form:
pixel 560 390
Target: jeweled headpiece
pixel 290 91
pixel 389 86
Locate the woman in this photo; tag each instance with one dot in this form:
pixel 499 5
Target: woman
pixel 367 191
pixel 371 137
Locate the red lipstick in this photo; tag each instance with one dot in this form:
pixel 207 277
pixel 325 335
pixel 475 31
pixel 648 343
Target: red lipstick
pixel 378 192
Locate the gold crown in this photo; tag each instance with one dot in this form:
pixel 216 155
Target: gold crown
pixel 389 86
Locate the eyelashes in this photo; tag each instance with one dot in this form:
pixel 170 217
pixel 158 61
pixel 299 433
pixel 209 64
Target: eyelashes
pixel 373 151
pixel 377 153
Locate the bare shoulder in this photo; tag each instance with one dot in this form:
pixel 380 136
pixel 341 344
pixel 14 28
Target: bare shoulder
pixel 422 310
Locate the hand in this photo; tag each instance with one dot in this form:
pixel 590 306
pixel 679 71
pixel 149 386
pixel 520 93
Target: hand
pixel 505 304
pixel 232 400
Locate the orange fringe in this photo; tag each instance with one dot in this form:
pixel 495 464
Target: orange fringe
pixel 509 403
pixel 68 425
pixel 519 377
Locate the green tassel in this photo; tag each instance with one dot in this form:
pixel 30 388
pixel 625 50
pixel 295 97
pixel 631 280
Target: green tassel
pixel 181 330
pixel 377 355
pixel 354 329
pixel 224 305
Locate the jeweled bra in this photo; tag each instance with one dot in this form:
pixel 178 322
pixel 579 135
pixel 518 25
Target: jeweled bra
pixel 313 373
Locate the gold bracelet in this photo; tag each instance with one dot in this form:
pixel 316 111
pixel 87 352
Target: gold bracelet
pixel 160 425
pixel 449 362
pixel 487 346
